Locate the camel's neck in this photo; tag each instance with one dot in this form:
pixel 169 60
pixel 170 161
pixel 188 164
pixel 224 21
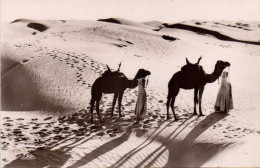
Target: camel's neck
pixel 132 83
pixel 214 76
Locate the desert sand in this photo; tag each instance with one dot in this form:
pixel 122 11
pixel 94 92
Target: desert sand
pixel 49 66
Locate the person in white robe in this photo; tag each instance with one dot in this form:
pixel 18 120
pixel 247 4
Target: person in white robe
pixel 141 104
pixel 224 101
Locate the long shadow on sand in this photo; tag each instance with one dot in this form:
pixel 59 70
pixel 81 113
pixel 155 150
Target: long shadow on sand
pixel 114 143
pixel 102 149
pixel 48 156
pixel 186 152
pixel 181 153
pixel 43 158
pixel 145 144
pixel 55 154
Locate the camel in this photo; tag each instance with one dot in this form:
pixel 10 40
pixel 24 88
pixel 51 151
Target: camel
pixel 113 83
pixel 192 76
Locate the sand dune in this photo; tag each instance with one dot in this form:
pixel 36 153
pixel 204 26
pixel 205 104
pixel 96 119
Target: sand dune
pixel 46 80
pixel 22 21
pixel 209 32
pixel 153 23
pixel 25 27
pixel 126 22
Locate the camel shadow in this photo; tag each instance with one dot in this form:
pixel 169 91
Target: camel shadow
pixel 121 129
pixel 43 158
pixel 130 124
pixel 187 152
pixel 102 149
pixel 55 154
pixel 153 136
pixel 48 156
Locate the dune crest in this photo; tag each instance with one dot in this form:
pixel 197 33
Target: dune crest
pixel 125 22
pixel 201 30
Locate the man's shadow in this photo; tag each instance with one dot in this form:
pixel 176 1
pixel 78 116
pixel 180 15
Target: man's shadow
pixel 178 150
pixel 186 152
pixel 53 155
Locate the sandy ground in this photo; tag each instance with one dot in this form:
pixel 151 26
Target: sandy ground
pixel 46 79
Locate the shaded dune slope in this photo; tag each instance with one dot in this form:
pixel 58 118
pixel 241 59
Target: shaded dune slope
pixel 37 26
pixel 18 91
pixel 26 86
pixel 33 24
pixel 209 32
pixel 110 20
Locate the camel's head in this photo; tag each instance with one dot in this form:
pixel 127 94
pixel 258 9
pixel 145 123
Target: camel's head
pixel 142 73
pixel 222 64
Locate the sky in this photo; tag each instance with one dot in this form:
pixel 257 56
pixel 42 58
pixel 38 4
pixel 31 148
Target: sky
pixel 137 10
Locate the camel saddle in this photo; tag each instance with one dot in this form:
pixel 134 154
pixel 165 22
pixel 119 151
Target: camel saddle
pixel 191 67
pixel 194 70
pixel 113 75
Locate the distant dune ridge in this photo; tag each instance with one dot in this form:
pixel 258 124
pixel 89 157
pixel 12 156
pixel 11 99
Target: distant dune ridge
pixel 182 26
pixel 209 32
pixel 49 66
pixel 110 20
pixel 22 21
pixel 125 22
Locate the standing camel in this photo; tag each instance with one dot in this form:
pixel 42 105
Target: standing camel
pixel 113 82
pixel 192 76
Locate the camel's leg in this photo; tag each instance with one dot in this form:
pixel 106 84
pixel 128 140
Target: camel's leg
pixel 92 103
pixel 114 103
pixel 119 103
pixel 172 106
pixel 175 93
pixel 97 107
pixel 168 105
pixel 200 99
pixel 195 100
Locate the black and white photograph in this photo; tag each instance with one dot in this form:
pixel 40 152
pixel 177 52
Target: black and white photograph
pixel 130 83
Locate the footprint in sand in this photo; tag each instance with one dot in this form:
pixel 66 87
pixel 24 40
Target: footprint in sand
pixel 112 135
pixel 100 133
pixel 8 129
pixel 17 131
pixel 19 119
pixel 146 126
pixel 65 132
pixel 83 83
pixel 8 124
pixel 48 118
